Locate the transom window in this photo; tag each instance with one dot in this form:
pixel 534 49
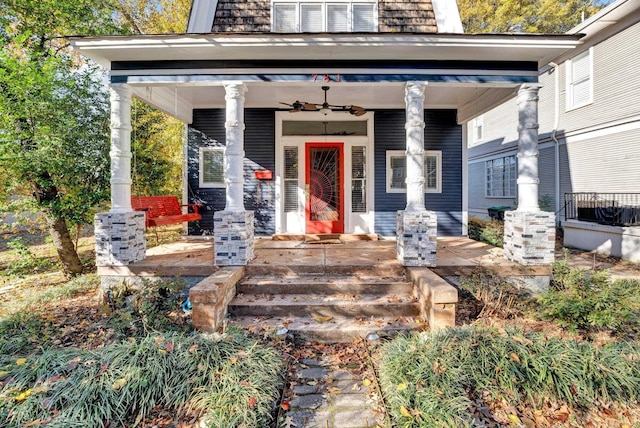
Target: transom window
pixel 212 167
pixel 397 171
pixel 322 16
pixel 501 177
pixel 580 80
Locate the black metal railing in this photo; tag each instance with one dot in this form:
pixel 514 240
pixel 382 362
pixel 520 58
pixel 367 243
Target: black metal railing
pixel 618 209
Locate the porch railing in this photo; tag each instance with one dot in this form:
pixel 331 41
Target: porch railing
pixel 618 209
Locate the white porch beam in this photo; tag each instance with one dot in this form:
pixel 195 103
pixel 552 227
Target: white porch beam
pixel 234 152
pixel 120 151
pixel 414 100
pixel 528 148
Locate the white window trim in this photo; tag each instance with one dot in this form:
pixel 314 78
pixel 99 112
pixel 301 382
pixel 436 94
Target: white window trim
pixel 213 185
pixel 324 3
pixel 395 153
pixel 569 82
pixel 486 183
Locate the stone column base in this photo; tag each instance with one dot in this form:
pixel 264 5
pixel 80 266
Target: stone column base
pixel 416 238
pixel 530 237
pixel 233 237
pixel 119 238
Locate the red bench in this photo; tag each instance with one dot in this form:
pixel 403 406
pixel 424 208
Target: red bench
pixel 164 210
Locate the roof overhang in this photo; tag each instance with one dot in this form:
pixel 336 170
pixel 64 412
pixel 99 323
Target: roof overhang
pixel 486 47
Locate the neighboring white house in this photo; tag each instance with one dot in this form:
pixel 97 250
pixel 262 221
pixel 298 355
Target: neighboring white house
pixel 589 138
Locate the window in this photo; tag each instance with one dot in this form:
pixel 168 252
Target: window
pixel 212 167
pixel 478 129
pixel 290 179
pixel 501 177
pixel 580 80
pixel 318 17
pixel 358 180
pixel 397 171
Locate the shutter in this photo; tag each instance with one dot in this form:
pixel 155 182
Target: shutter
pixel 284 18
pixel 311 18
pixel 364 18
pixel 337 18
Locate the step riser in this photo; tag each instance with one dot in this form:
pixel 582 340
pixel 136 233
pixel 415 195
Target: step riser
pixel 400 289
pixel 338 311
pixel 279 270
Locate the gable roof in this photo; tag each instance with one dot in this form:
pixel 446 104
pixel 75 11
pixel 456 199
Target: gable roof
pixel 254 16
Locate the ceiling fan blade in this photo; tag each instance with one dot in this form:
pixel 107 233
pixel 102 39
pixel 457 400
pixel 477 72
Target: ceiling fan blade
pixel 286 104
pixel 357 110
pixel 309 106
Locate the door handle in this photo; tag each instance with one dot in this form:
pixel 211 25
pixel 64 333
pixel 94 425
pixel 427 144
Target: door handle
pixel 306 191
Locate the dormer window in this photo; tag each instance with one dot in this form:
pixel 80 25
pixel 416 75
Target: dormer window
pixel 324 17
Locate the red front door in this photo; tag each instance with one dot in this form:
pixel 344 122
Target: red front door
pixel 324 206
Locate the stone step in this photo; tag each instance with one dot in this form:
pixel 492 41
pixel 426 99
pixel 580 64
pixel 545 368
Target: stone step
pixel 298 268
pixel 335 305
pixel 334 330
pixel 323 285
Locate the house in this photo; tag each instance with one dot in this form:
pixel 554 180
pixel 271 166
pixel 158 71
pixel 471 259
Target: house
pixel 589 156
pixel 323 117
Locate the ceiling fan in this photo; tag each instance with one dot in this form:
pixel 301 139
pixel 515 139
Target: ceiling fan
pixel 324 108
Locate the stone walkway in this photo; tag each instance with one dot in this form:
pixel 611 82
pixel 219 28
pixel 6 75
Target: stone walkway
pixel 331 386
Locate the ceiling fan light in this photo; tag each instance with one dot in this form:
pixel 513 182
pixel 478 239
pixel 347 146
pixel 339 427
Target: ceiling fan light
pixel 325 110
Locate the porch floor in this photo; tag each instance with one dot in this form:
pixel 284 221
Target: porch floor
pixel 194 257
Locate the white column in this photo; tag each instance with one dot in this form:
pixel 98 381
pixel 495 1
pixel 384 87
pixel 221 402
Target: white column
pixel 414 99
pixel 120 151
pixel 528 148
pixel 234 152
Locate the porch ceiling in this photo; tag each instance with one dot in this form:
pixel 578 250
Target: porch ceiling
pixel 178 97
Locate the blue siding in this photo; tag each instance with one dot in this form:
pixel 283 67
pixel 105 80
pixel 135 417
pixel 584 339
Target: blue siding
pixel 259 145
pixel 441 133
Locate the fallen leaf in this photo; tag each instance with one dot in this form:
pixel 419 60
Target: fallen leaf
pixel 514 357
pixel 21 361
pixel 3 374
pixel 170 347
pixel 402 386
pixel 334 390
pixel 252 401
pixel 23 396
pixel 514 418
pixel 158 340
pixel 288 422
pixel 73 363
pixel 366 382
pixel 404 412
pixel 321 320
pixel 285 405
pixel 193 348
pixel 119 384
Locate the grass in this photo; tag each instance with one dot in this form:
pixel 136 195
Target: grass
pixel 435 379
pixel 230 379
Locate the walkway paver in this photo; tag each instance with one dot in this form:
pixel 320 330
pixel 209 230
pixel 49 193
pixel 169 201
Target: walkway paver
pixel 333 387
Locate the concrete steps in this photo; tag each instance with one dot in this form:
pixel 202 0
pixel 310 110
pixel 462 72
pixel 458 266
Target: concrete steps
pixel 330 308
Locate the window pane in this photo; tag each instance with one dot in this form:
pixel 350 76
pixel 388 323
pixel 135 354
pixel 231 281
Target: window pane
pixel 358 183
pixel 311 18
pixel 398 172
pixel 291 163
pixel 363 18
pixel 431 172
pixel 581 93
pixel 290 196
pixel 337 18
pixel 212 166
pixel 285 18
pixel 581 67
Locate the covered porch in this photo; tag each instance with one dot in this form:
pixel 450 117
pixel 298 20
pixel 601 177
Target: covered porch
pixel 411 74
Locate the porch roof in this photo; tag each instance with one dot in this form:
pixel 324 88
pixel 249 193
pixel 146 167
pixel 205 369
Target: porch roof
pixel 183 72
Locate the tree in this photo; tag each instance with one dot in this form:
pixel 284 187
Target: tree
pixel 527 16
pixel 53 114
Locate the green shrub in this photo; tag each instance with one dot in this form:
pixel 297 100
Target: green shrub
pixel 436 379
pixel 487 231
pixel 589 299
pixel 122 382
